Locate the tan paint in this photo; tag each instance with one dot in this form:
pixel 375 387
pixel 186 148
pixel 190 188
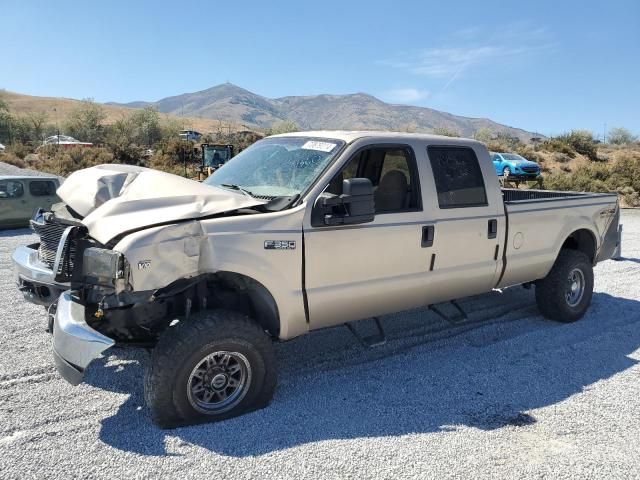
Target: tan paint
pixel 351 272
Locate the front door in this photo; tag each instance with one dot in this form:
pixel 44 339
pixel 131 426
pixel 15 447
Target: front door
pixel 357 271
pixel 14 206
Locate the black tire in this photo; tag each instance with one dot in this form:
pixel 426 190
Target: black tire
pixel 506 172
pixel 179 361
pixel 554 294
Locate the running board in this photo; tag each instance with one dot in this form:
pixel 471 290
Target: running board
pixel 371 341
pixel 455 319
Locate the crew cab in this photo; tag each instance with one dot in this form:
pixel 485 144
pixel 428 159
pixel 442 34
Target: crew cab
pixel 299 232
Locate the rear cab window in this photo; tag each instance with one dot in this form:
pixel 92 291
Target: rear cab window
pixel 42 188
pixel 458 177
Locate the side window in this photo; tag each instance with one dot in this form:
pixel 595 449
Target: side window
pixel 11 189
pixel 458 178
pixel 392 172
pixel 42 188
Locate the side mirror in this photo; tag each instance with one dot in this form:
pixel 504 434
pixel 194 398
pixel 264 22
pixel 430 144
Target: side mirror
pixel 355 205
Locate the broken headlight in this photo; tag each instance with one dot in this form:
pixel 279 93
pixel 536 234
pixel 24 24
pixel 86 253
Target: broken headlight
pixel 103 267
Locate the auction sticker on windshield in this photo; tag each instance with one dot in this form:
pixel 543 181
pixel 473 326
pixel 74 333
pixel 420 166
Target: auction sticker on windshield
pixel 320 146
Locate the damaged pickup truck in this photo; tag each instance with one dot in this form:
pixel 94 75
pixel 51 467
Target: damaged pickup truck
pixel 299 232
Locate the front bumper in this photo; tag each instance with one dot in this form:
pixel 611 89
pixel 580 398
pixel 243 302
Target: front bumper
pixel 35 279
pixel 75 344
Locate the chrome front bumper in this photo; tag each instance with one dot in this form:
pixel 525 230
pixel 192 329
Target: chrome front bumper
pixel 35 279
pixel 75 344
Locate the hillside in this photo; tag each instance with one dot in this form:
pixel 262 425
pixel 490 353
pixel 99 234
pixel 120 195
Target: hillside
pixel 228 102
pixel 58 109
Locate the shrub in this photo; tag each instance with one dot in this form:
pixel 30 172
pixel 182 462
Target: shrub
pixel 286 126
pixel 561 157
pixel 61 161
pixel 483 135
pixel 20 150
pixel 558 146
pixel 581 141
pixel 12 159
pixel 166 163
pixel 446 132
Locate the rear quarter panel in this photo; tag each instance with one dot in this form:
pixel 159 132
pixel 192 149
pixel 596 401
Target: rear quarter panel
pixel 537 230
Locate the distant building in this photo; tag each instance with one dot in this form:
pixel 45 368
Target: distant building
pixel 191 135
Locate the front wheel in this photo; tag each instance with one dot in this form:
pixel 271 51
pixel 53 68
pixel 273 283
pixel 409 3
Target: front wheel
pixel 565 293
pixel 216 365
pixel 506 172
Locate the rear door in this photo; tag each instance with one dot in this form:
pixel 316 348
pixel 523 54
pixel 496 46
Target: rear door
pixel 42 194
pixel 468 222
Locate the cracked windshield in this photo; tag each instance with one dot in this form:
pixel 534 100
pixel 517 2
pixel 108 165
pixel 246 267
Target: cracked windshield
pixel 277 166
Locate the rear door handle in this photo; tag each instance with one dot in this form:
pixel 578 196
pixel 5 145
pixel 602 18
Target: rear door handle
pixel 492 231
pixel 428 234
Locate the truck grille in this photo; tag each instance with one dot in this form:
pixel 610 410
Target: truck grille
pixel 50 234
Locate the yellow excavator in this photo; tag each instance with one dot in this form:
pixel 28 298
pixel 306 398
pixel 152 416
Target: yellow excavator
pixel 213 157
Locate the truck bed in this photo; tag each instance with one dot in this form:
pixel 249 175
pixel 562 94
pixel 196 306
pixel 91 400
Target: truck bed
pixel 539 221
pixel 514 195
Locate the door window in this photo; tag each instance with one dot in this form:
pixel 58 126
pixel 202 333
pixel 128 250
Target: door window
pixel 11 189
pixel 42 188
pixel 458 178
pixel 392 172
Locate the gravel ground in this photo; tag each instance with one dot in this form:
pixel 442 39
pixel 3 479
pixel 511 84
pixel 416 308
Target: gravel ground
pixel 8 169
pixel 506 395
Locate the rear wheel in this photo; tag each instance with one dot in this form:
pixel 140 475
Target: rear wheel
pixel 565 293
pixel 214 366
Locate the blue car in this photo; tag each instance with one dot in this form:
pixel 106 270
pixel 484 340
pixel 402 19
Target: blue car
pixel 512 165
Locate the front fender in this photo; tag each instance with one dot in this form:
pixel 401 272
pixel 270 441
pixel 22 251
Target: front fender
pixel 160 256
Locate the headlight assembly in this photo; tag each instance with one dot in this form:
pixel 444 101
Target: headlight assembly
pixel 103 267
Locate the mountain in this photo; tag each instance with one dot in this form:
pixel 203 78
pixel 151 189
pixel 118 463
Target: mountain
pixel 230 103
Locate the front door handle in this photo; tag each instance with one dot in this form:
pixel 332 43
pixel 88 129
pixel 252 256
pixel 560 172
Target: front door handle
pixel 492 231
pixel 428 233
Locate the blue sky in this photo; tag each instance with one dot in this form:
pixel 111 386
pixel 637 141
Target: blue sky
pixel 546 66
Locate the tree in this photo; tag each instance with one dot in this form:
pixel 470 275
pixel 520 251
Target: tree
pixel 38 123
pixel 85 122
pixel 621 136
pixel 146 123
pixel 4 104
pixel 121 140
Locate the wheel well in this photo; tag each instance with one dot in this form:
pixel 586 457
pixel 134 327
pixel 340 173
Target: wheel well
pixel 584 241
pixel 244 294
pixel 224 290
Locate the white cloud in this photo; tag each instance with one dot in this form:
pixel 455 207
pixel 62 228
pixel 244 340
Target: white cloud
pixel 473 47
pixel 406 95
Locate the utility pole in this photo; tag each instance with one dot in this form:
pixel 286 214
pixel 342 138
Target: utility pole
pixel 604 133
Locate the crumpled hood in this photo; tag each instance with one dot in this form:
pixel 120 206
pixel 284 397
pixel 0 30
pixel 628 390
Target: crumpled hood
pixel 114 199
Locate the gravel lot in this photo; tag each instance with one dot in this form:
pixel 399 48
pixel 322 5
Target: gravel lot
pixel 506 395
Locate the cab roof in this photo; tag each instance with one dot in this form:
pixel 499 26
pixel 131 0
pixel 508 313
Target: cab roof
pixel 349 136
